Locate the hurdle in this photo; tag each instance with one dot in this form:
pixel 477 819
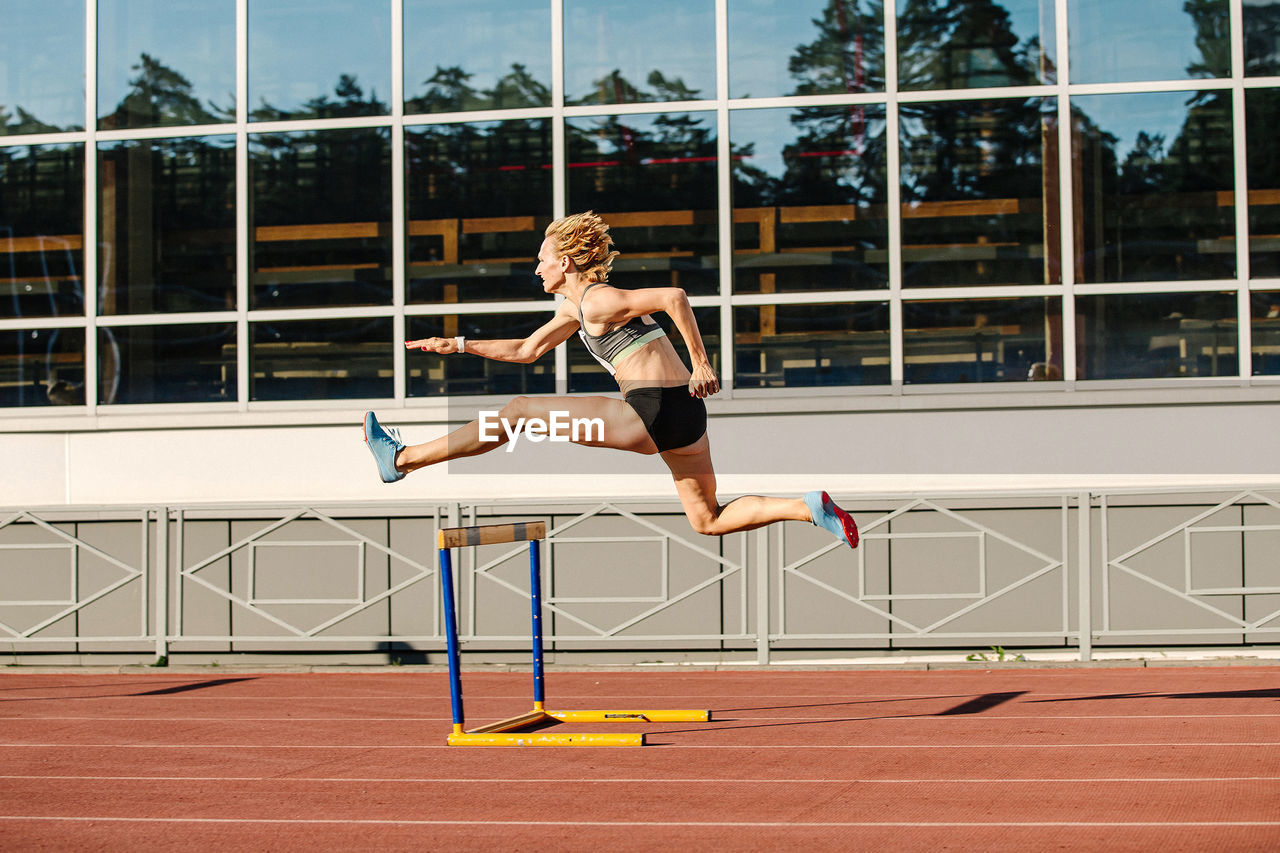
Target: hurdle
pixel 509 732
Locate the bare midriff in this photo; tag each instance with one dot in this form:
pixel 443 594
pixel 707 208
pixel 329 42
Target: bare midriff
pixel 654 365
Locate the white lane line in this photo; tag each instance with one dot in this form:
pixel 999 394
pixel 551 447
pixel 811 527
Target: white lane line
pixel 791 825
pixel 363 780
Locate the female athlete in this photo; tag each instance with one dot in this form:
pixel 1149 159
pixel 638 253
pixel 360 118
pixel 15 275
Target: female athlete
pixel 662 409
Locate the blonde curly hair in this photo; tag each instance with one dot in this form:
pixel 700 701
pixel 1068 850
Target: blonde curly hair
pixel 584 238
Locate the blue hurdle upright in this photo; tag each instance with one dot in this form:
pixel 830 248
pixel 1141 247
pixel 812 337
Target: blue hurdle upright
pixel 509 732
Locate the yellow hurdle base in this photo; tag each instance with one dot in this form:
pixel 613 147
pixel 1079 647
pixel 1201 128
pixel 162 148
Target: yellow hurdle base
pixel 505 732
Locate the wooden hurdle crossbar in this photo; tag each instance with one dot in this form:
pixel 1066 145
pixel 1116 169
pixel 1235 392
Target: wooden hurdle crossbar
pixel 509 732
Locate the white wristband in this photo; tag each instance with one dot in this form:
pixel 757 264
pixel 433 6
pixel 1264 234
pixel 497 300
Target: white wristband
pixel 461 342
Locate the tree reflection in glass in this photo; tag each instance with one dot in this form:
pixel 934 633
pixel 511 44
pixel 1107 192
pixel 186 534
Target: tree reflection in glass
pixel 969 44
pixel 1154 181
pixel 1137 40
pixel 810 199
pixel 653 179
pixel 479 55
pixel 165 62
pixel 479 196
pixel 318 59
pixel 805 47
pixel 42 67
pixel 1261 38
pixel 623 52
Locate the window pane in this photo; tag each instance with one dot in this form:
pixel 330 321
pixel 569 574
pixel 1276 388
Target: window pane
pixel 479 55
pixel 805 47
pixel 433 375
pixel 967 45
pixel 1262 154
pixel 1156 335
pixel 810 197
pixel 479 198
pixel 791 346
pixel 167 364
pixel 653 179
pixel 1114 42
pixel 1154 181
pixel 167 225
pixel 41 230
pixel 321 360
pixel 1261 38
pixel 166 62
pixel 979 193
pixel 989 340
pixel 321 213
pixel 42 367
pixel 42 67
pixel 318 59
pixel 623 52
pixel 1266 332
pixel 587 376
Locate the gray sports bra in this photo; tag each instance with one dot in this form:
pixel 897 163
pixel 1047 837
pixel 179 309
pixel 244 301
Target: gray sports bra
pixel 613 346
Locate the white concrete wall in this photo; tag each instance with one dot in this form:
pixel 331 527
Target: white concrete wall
pixel 847 444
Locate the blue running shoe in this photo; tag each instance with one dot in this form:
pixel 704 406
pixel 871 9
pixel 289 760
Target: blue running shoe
pixel 824 513
pixel 384 445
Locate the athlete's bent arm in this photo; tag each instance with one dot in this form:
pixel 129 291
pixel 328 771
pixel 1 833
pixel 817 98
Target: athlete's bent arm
pixel 614 306
pixel 520 350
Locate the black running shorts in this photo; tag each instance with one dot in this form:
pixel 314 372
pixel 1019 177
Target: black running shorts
pixel 672 416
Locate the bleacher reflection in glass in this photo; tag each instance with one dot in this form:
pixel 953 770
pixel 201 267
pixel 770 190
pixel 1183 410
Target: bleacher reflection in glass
pixel 432 375
pixel 791 346
pixel 1154 200
pixel 187 363
pixel 321 214
pixel 1262 154
pixel 321 359
pixel 41 230
pixel 166 225
pixel 810 199
pixel 988 340
pixel 974 179
pixel 1142 336
pixel 42 367
pixel 479 197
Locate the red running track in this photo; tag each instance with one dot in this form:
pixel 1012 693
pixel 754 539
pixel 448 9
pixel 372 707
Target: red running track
pixel 1163 759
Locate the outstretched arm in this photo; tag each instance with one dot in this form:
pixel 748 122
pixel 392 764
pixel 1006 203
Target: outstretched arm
pixel 519 350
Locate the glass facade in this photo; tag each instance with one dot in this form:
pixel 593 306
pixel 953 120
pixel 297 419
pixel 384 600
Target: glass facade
pixel 953 192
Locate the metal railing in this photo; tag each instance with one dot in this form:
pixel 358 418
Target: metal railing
pixel 1052 569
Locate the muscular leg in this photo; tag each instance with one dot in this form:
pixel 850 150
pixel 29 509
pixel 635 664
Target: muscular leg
pixel 623 430
pixel 696 484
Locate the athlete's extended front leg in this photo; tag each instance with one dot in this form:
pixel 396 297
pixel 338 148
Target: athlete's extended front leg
pixel 620 429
